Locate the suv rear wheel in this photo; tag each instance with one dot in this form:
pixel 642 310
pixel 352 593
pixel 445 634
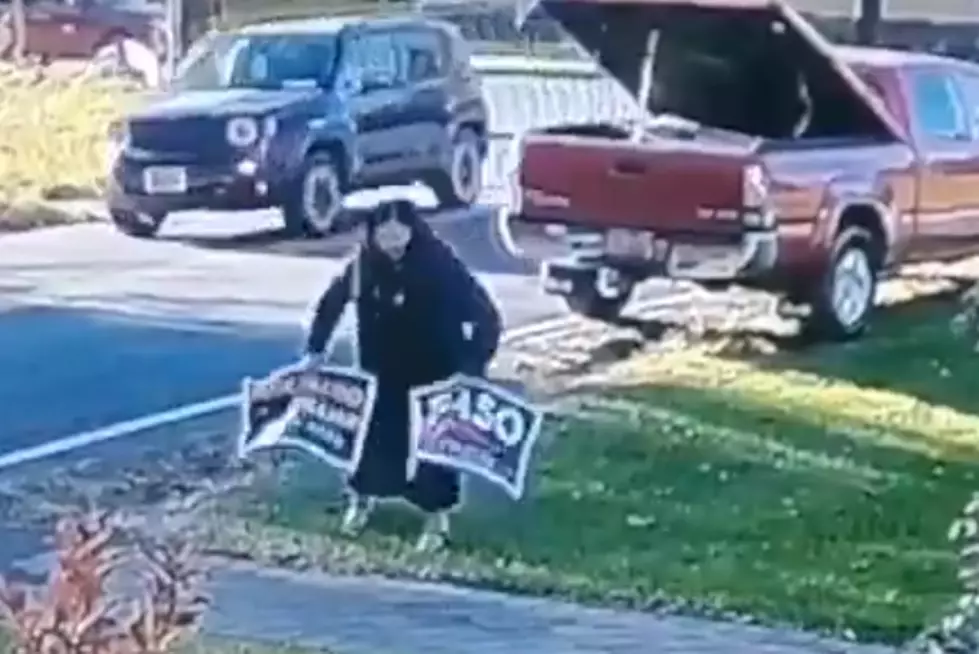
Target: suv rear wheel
pixel 461 184
pixel 843 300
pixel 139 225
pixel 314 202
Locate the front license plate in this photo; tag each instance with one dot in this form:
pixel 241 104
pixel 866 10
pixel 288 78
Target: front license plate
pixel 704 261
pixel 165 180
pixel 629 244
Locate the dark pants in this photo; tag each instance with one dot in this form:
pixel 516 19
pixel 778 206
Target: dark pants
pixel 383 473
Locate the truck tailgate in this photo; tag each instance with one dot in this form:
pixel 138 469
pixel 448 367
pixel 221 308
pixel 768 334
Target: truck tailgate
pixel 662 184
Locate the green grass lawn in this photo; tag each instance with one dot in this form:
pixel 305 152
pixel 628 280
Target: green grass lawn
pixel 814 487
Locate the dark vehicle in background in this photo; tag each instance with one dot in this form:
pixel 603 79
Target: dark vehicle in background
pixel 81 29
pixel 761 156
pixel 296 114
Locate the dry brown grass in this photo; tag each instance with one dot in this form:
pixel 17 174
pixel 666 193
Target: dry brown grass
pixel 54 145
pixel 85 607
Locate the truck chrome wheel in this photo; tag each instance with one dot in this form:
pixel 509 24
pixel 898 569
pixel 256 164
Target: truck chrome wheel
pixel 853 286
pixel 842 299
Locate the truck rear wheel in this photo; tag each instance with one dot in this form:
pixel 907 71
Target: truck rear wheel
pixel 843 301
pixel 593 305
pixel 584 299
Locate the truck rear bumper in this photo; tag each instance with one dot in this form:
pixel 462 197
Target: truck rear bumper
pixel 565 251
pixel 539 241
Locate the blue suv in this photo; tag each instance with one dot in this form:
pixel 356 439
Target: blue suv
pixel 296 114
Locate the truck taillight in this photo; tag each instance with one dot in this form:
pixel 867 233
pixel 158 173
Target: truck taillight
pixel 754 189
pixel 756 209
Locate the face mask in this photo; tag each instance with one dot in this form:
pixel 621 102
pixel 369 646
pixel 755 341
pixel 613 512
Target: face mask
pixel 392 238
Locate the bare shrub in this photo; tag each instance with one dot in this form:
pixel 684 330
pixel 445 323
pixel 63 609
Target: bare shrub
pixel 84 607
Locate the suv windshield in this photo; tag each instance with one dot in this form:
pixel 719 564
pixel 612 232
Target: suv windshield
pixel 272 61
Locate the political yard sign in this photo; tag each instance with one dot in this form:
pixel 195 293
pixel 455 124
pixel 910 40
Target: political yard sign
pixel 477 427
pixel 325 411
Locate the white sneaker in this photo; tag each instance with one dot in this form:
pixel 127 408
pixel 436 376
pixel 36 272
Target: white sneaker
pixel 435 533
pixel 355 518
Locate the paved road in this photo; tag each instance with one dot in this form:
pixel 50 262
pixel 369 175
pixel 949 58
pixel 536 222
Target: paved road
pixel 96 328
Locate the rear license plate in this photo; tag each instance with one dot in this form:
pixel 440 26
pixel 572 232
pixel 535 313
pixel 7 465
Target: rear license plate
pixel 165 179
pixel 629 243
pixel 704 261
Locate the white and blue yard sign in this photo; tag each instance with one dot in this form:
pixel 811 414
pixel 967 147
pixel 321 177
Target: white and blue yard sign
pixel 474 426
pixel 325 411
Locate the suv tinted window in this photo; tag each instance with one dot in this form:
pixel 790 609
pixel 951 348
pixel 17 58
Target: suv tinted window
pixel 257 61
pixel 374 56
pixel 423 54
pixel 937 108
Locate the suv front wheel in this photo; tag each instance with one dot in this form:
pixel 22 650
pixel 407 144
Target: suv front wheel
pixel 139 225
pixel 461 184
pixel 313 204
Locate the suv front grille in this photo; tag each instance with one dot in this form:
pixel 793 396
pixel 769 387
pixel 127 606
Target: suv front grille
pixel 201 136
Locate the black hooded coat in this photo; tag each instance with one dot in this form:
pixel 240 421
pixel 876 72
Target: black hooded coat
pixel 419 320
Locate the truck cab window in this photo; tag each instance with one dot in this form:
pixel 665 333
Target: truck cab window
pixel 938 110
pixel 970 96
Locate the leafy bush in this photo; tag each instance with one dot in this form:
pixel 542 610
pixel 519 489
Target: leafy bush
pixel 84 607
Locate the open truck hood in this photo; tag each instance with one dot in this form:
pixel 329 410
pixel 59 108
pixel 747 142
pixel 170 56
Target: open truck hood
pixel 615 33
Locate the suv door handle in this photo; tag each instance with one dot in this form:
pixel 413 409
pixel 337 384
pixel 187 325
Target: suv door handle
pixel 628 168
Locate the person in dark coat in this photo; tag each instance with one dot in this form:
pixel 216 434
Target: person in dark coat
pixel 421 317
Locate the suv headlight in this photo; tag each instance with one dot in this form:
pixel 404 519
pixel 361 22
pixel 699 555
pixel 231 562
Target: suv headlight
pixel 242 131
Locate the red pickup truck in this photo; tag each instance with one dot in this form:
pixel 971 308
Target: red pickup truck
pixel 760 155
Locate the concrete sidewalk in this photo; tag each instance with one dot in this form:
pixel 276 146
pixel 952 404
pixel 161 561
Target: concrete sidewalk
pixel 363 615
pixel 370 615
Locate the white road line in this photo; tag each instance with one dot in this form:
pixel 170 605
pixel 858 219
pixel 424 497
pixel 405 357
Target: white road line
pixel 119 429
pixel 226 402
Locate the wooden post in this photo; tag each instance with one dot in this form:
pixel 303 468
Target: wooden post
pixel 868 22
pixel 18 31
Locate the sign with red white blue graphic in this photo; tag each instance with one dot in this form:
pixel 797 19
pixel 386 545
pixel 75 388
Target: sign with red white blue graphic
pixel 471 425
